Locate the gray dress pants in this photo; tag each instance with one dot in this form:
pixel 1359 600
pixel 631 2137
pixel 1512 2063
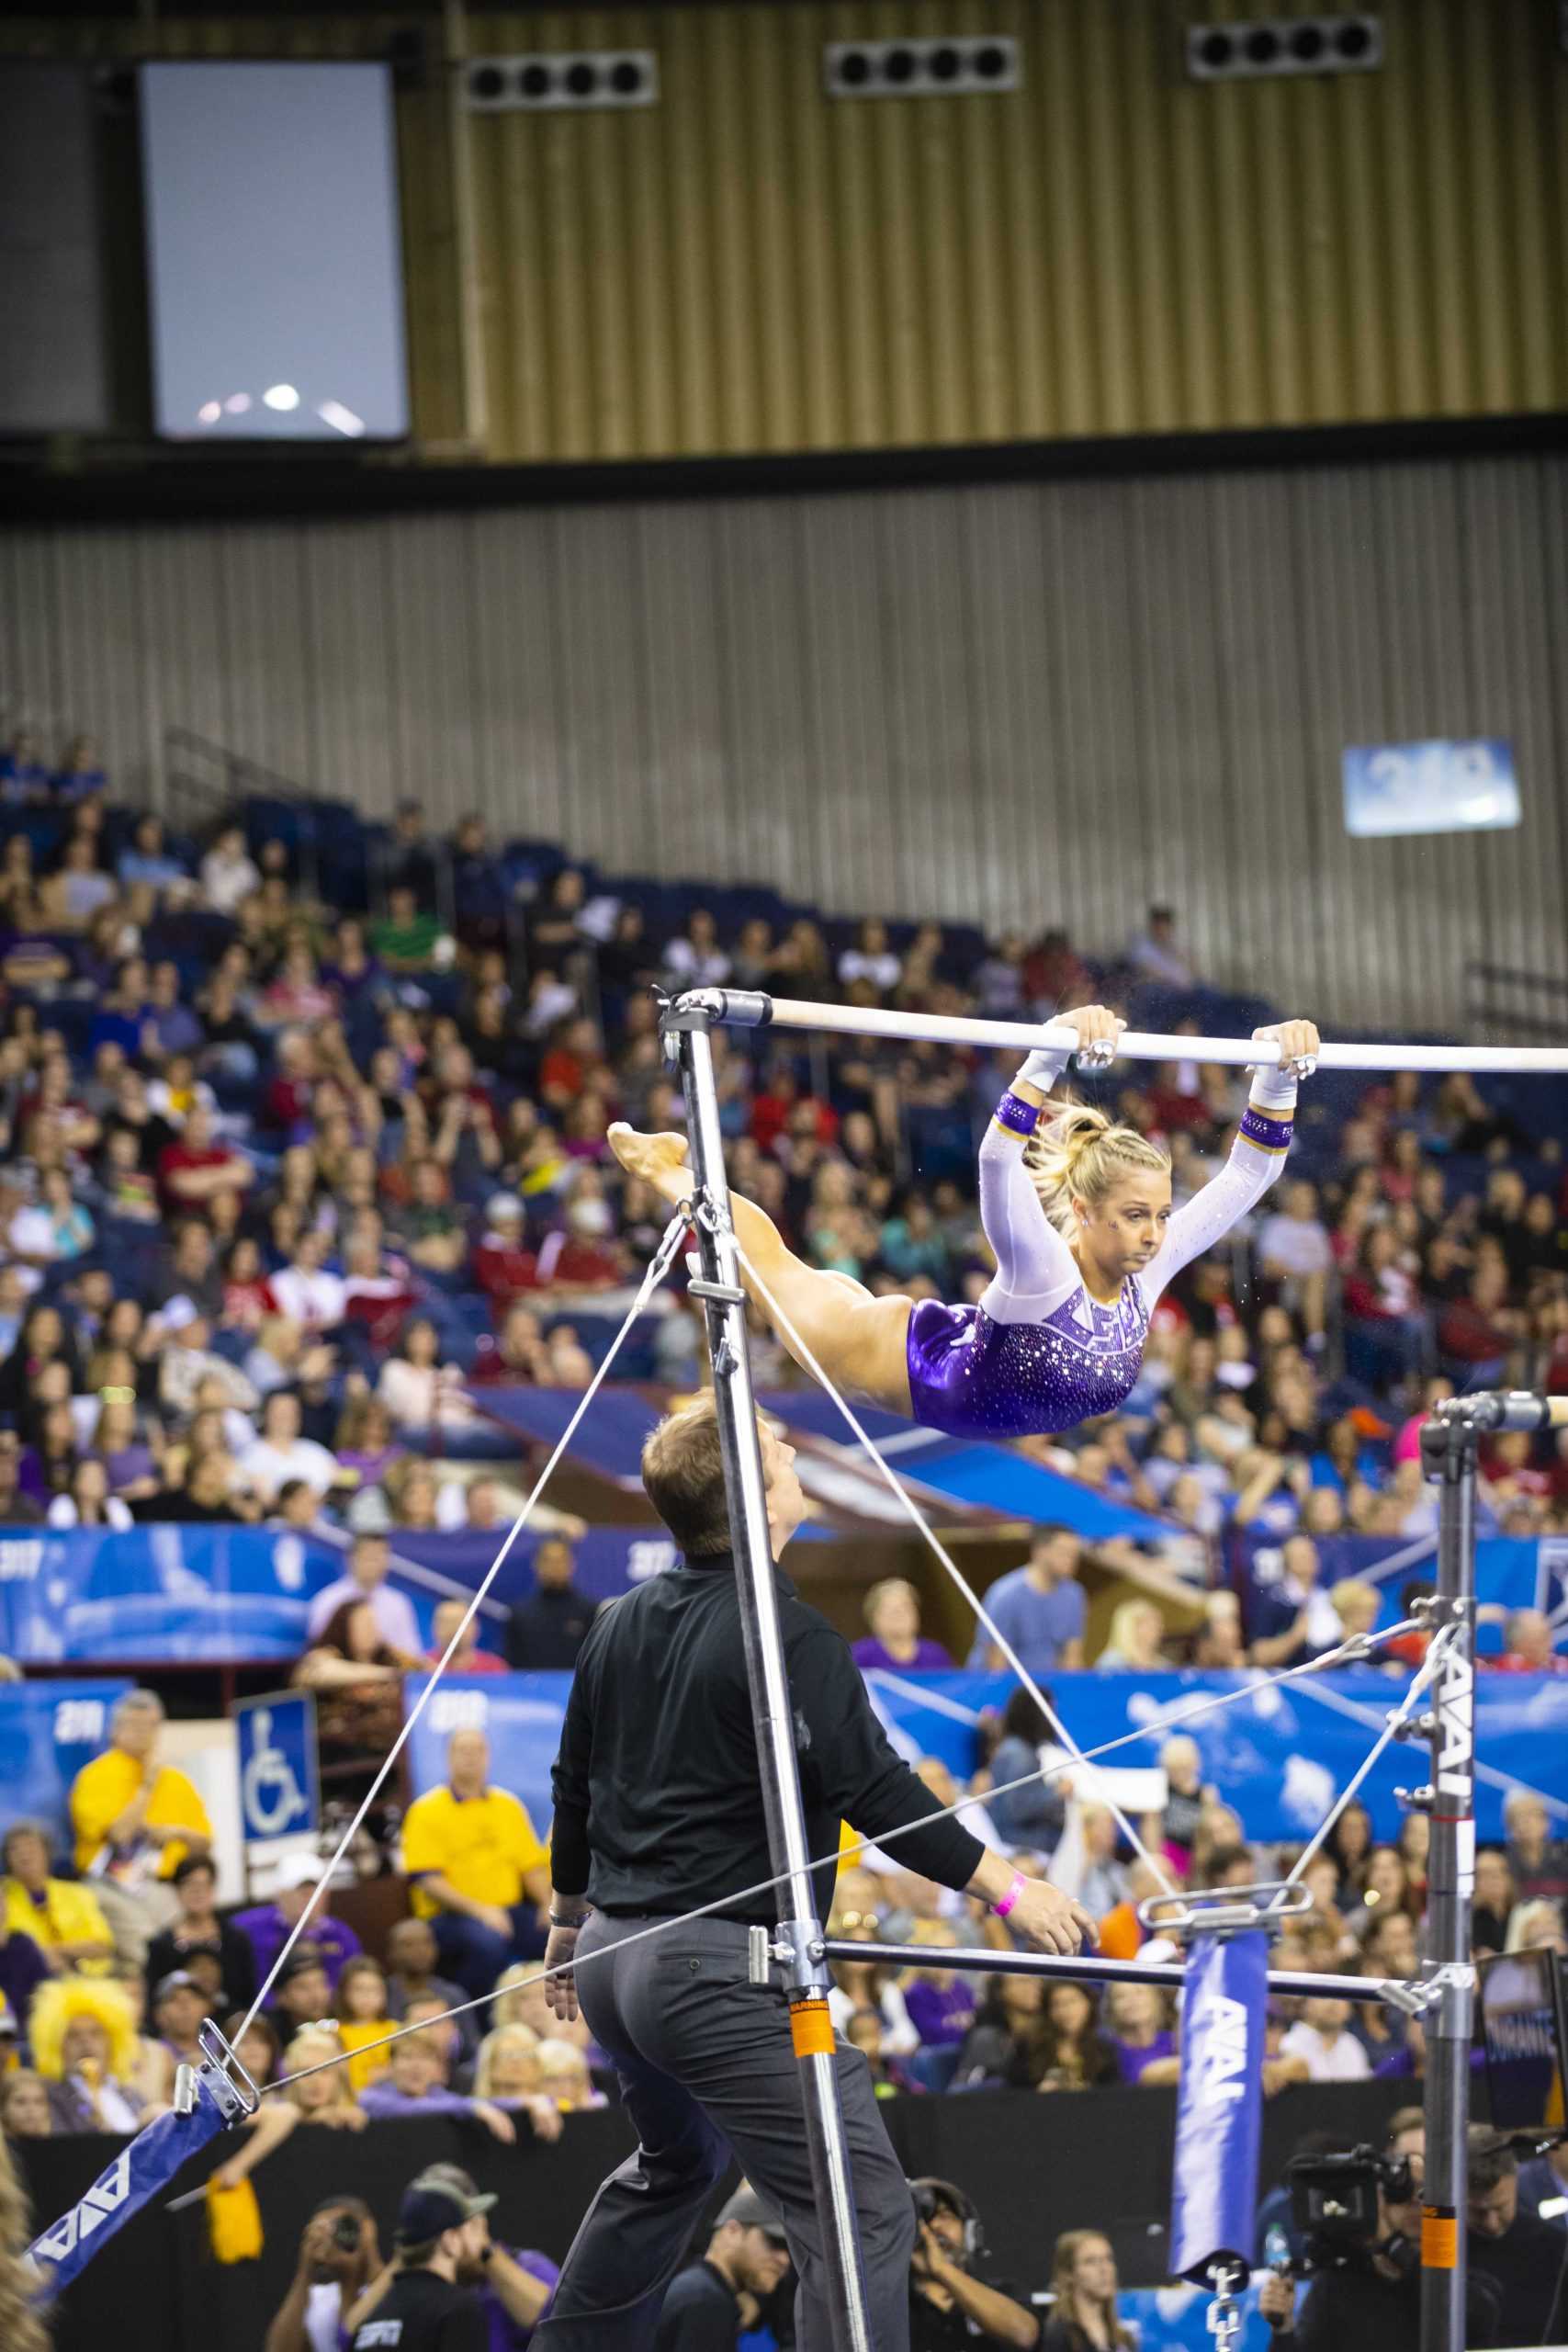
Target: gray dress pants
pixel 706 2067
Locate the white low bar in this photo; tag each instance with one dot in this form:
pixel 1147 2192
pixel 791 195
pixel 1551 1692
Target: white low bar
pixel 1139 1046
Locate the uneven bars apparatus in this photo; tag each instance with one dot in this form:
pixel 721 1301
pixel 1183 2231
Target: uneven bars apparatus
pixel 1449 1445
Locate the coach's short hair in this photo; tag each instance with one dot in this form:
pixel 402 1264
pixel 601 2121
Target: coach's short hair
pixel 683 1474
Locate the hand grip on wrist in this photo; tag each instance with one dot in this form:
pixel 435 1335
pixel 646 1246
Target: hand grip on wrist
pixel 1042 1067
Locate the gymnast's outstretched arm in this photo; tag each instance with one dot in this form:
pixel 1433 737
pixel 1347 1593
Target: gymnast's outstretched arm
pixel 1256 1161
pixel 1035 1269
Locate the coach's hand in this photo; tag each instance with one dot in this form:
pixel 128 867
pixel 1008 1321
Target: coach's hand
pixel 561 1992
pixel 1053 1921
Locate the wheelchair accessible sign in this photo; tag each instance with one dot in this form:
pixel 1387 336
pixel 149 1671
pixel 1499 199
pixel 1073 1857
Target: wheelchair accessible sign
pixel 280 1791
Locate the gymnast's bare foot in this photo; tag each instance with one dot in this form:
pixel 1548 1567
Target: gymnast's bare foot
pixel 660 1161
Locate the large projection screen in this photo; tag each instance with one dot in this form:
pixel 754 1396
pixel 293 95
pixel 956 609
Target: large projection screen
pixel 274 255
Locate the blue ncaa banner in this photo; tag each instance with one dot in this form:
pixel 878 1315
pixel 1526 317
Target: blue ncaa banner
pixel 48 1732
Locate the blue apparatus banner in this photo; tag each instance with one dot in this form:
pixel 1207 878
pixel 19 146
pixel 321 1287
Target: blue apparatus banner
pixel 144 2166
pixel 174 1594
pixel 48 1732
pixel 1219 2108
pixel 1511 1572
pixel 1281 1755
pixel 209 1594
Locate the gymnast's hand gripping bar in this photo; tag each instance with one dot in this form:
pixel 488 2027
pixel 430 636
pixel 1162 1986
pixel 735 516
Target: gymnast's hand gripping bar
pixel 750 1009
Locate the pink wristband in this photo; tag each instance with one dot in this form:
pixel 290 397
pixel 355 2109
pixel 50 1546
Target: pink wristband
pixel 1010 1897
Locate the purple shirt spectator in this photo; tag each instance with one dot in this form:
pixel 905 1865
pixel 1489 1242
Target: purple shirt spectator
pixel 929 1657
pixel 941 2013
pixel 506 2334
pixel 1132 2060
pixel 383 2099
pixel 268 1931
pixel 22 1970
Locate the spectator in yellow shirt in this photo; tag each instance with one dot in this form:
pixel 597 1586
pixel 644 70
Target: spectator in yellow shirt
pixel 65 1920
pixel 135 1821
pixel 481 1876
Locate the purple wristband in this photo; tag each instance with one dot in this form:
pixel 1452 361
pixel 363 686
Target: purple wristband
pixel 1010 1897
pixel 1019 1119
pixel 1267 1133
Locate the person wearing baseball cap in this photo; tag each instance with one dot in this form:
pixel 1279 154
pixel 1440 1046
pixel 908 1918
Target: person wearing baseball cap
pixel 747 2256
pixel 268 1926
pixel 442 2231
pixel 514 2286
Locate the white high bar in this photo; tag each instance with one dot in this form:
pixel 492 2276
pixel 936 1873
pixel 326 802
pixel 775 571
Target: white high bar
pixel 750 1009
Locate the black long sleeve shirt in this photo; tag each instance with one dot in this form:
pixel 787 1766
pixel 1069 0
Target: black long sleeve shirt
pixel 656 1789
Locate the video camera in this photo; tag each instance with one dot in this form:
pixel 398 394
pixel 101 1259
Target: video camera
pixel 1333 2204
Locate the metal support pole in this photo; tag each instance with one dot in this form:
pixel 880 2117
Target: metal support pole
pixel 1448 1446
pixel 799 1936
pixel 1088 1968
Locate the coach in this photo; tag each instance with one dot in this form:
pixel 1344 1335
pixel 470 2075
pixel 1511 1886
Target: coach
pixel 659 1812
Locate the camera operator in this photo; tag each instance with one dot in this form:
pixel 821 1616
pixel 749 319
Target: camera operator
pixel 441 2232
pixel 1510 2245
pixel 513 2285
pixel 338 2254
pixel 713 2302
pixel 948 2304
pixel 1365 2294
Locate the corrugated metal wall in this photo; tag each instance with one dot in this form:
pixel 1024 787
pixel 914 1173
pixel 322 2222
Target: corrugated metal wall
pixel 1016 704
pixel 750 265
pixel 1109 249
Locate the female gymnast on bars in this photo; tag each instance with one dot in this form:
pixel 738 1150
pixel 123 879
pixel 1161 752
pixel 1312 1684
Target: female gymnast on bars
pixel 1078 1213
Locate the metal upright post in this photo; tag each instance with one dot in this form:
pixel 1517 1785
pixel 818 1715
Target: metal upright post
pixel 1448 1446
pixel 799 1934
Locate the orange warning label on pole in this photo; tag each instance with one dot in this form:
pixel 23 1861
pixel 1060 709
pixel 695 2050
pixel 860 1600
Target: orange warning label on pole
pixel 811 2029
pixel 1439 2238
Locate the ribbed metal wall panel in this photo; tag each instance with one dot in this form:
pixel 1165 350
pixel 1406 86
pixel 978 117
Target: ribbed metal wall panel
pixel 1019 704
pixel 750 265
pixel 1109 249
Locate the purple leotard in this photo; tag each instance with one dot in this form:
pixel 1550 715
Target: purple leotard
pixel 1039 1354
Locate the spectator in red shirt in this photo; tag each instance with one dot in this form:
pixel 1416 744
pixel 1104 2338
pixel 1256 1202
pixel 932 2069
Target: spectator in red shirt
pixel 520 1359
pixel 196 1168
pixel 377 1291
pixel 467 1657
pixel 1055 974
pixel 503 1265
pixel 584 1255
pixel 289 1098
pixel 1529 1649
pixel 771 1107
pixel 574 1061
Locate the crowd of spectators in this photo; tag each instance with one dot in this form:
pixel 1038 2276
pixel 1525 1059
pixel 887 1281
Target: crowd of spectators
pixel 287 1184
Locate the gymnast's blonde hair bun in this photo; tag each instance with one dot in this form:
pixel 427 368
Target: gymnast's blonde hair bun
pixel 1083 1154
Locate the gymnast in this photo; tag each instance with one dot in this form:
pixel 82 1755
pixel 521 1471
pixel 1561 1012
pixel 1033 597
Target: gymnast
pixel 1078 1213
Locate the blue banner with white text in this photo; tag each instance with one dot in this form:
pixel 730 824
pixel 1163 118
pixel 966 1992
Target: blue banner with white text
pixel 48 1732
pixel 1280 1754
pixel 142 2168
pixel 180 1595
pixel 1219 2107
pixel 1511 1572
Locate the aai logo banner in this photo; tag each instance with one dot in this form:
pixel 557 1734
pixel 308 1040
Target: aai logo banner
pixel 279 1790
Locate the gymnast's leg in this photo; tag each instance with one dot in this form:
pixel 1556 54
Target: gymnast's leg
pixel 858 1339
